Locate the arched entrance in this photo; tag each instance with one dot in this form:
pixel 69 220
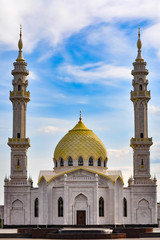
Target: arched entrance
pixel 81 209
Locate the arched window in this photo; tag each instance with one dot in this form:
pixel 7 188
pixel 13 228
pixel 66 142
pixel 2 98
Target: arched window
pixel 80 161
pixel 142 162
pixel 18 163
pixel 19 87
pixel 124 207
pixel 99 162
pixel 18 135
pixel 104 163
pixel 61 162
pixel 36 208
pixel 60 207
pixel 101 207
pixel 141 135
pixel 56 164
pixel 90 162
pixel 140 87
pixel 70 161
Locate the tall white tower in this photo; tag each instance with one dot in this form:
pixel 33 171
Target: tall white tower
pixel 140 97
pixel 19 98
pixel 17 188
pixel 142 187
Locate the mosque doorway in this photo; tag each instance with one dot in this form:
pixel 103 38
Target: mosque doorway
pixel 81 217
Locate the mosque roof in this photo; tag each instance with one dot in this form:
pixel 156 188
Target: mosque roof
pixel 80 141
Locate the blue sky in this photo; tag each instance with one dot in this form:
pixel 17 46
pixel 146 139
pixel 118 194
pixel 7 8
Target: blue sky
pixel 79 54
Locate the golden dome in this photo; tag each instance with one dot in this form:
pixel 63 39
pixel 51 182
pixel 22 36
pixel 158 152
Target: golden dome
pixel 80 141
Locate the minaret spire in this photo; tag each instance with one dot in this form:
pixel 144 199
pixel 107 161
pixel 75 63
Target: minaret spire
pixel 80 116
pixel 139 46
pixel 20 46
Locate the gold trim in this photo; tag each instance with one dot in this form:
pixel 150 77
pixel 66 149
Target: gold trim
pixel 83 168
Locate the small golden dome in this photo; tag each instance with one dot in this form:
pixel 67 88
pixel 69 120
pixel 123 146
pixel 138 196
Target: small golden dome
pixel 80 141
pixel 139 44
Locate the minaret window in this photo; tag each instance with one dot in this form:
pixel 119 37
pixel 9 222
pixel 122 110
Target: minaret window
pixel 140 87
pixel 99 162
pixel 70 161
pixel 90 162
pixel 101 207
pixel 80 161
pixel 19 87
pixel 60 207
pixel 124 207
pixel 61 162
pixel 104 163
pixel 141 135
pixel 36 208
pixel 18 135
pixel 56 163
pixel 142 162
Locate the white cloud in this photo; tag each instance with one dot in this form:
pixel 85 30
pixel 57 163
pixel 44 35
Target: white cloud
pixel 32 75
pixel 100 73
pixel 53 21
pixel 154 109
pixel 152 36
pixel 50 130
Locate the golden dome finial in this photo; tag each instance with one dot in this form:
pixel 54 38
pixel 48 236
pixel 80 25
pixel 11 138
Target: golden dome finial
pixel 20 46
pixel 139 45
pixel 80 116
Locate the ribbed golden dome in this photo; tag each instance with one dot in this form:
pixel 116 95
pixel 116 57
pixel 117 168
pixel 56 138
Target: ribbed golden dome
pixel 80 141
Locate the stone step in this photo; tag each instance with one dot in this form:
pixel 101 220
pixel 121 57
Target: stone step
pixel 85 235
pixel 15 235
pixel 150 235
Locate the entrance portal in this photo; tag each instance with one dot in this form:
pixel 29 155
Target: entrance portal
pixel 81 217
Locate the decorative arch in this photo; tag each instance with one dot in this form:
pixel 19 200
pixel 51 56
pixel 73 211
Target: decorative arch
pixel 124 207
pixel 101 207
pixel 36 207
pixel 80 161
pixel 17 204
pixel 60 207
pixel 17 213
pixel 90 161
pixel 143 212
pixel 70 161
pixel 81 197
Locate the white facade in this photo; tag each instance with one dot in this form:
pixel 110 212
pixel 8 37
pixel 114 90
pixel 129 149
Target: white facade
pixel 80 193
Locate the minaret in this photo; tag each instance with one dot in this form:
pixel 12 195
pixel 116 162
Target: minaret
pixel 19 98
pixel 140 97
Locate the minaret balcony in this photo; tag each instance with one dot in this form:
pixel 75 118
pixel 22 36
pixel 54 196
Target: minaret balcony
pixel 140 95
pixel 140 141
pixel 19 142
pixel 20 94
pixel 139 70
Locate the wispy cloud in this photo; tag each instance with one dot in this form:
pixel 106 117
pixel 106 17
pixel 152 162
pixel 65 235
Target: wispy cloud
pixel 99 73
pixel 50 130
pixel 154 109
pixel 56 23
pixel 32 75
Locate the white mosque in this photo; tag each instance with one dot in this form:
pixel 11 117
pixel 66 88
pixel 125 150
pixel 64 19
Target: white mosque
pixel 80 189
